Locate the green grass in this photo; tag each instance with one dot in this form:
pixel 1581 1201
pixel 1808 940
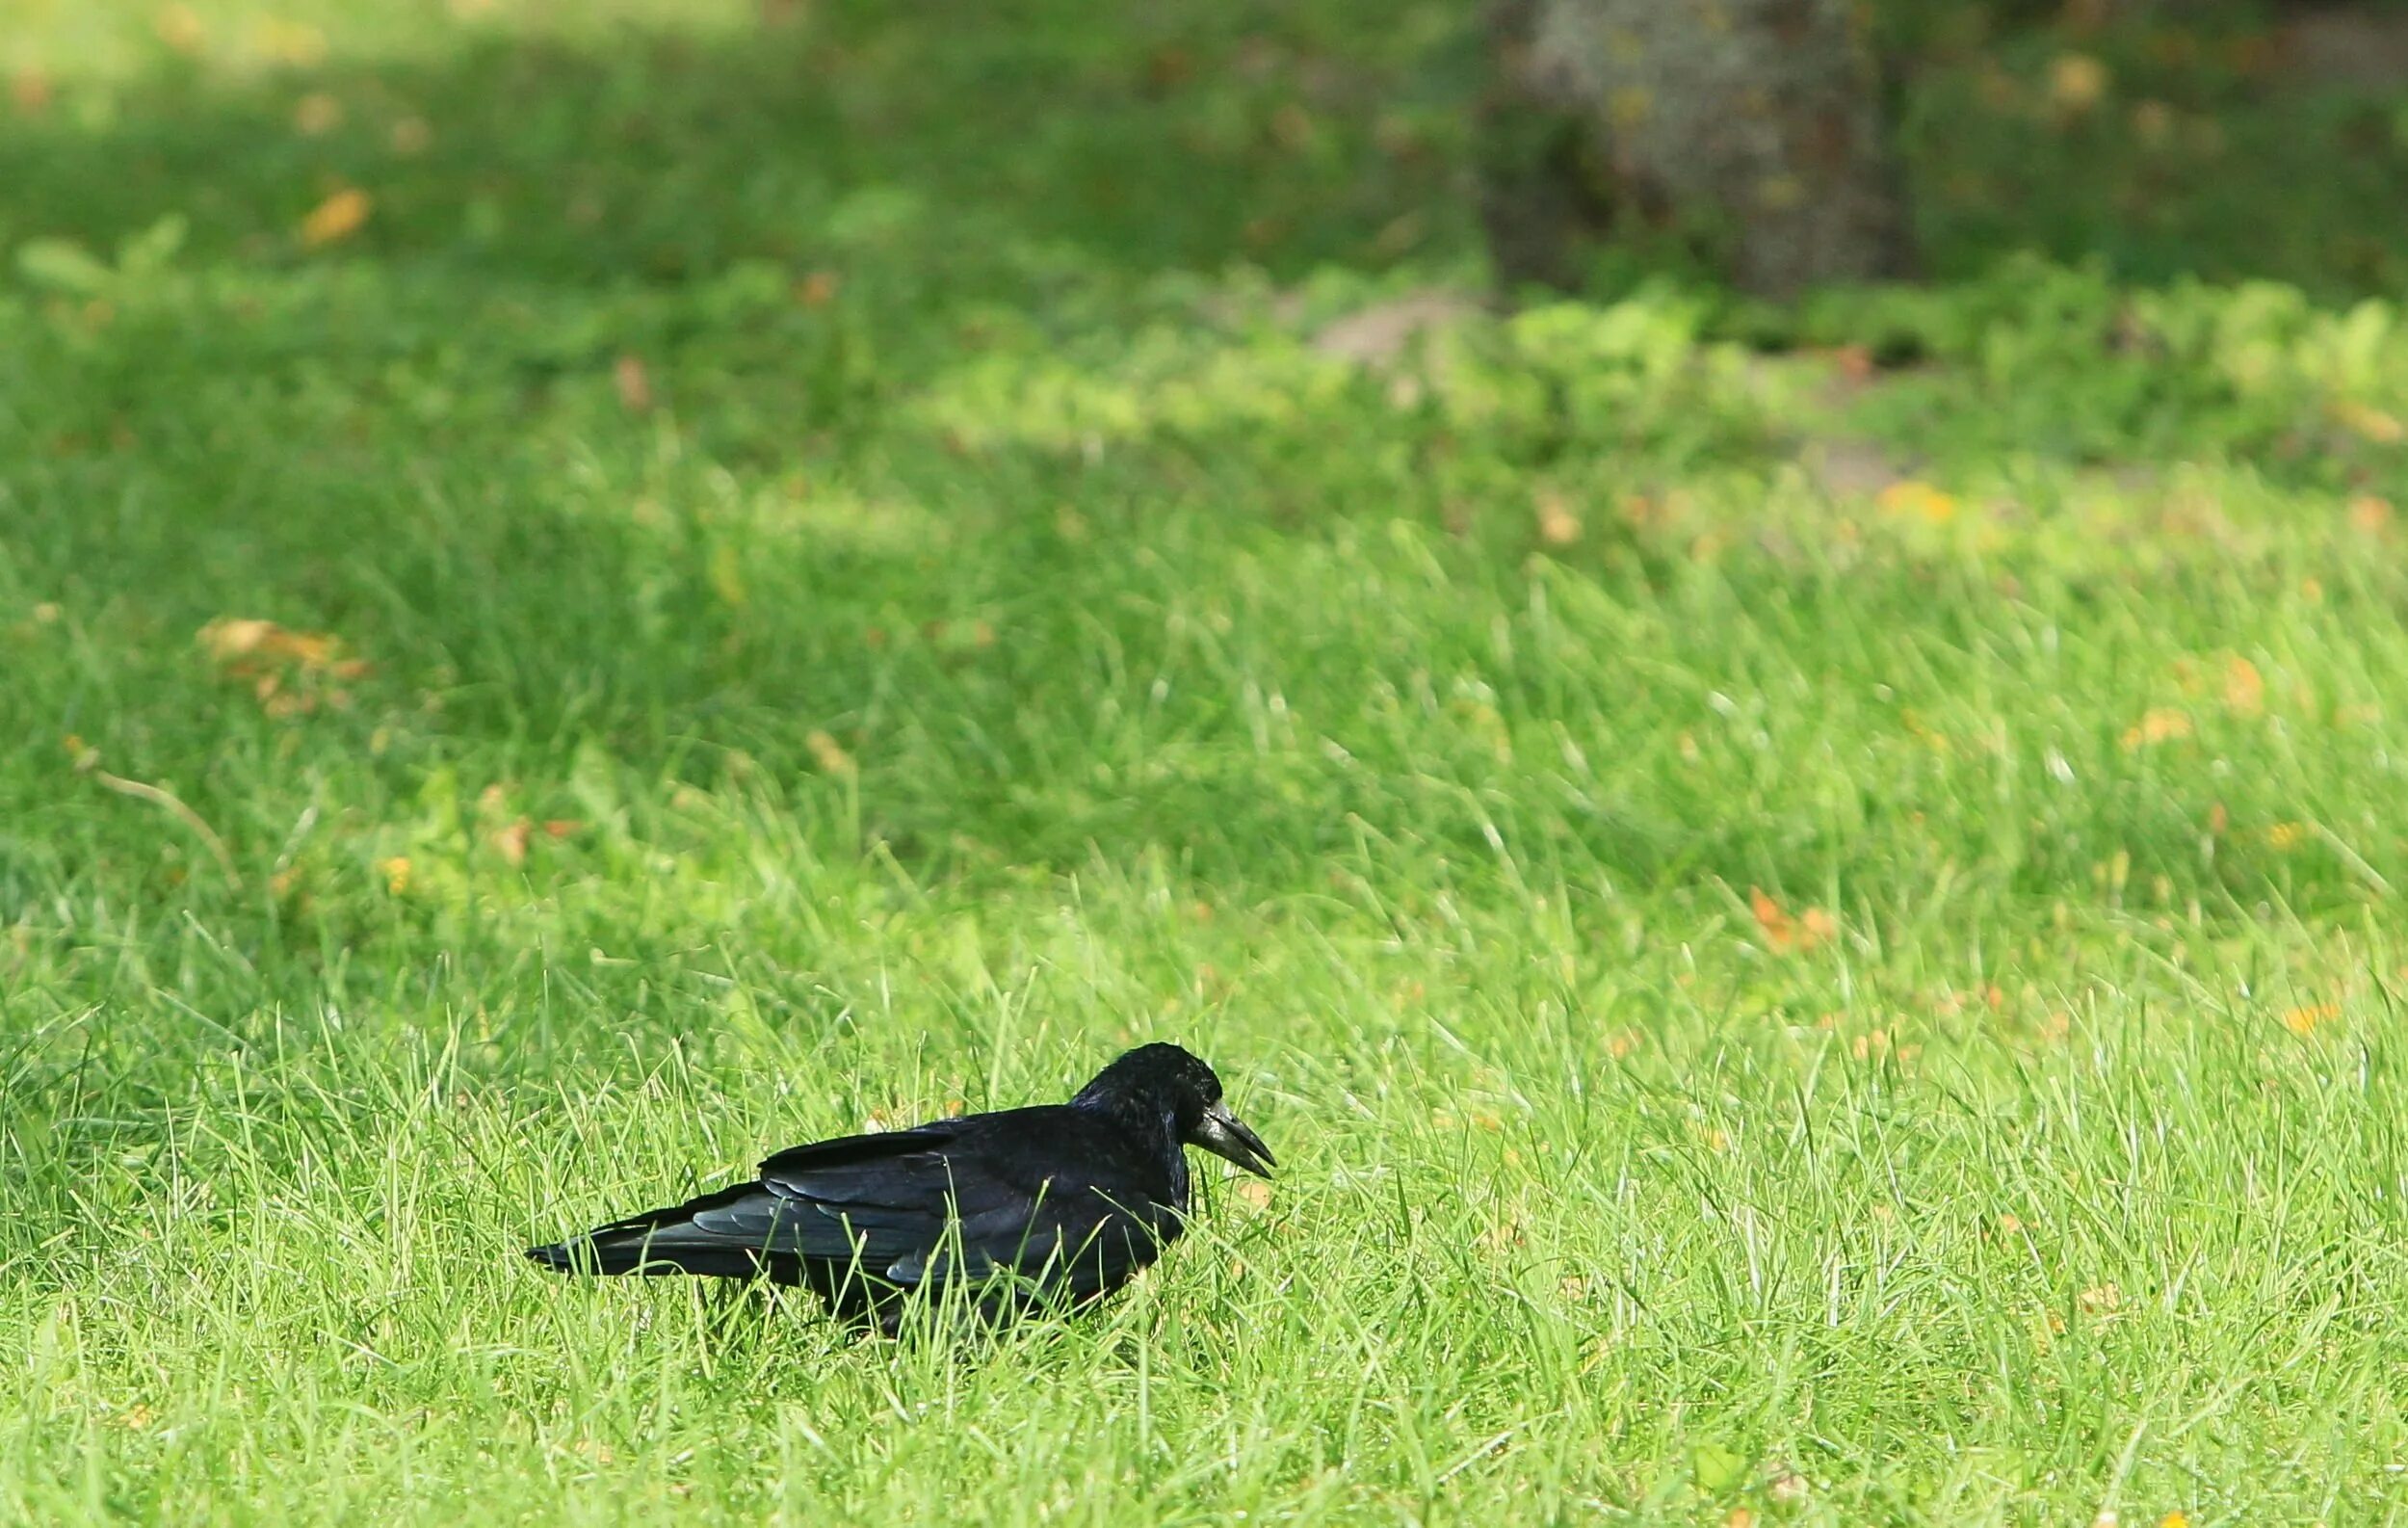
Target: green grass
pixel 1818 944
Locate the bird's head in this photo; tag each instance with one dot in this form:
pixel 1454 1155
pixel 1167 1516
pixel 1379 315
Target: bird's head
pixel 1170 1080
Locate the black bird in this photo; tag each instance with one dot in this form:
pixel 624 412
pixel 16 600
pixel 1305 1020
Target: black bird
pixel 1059 1203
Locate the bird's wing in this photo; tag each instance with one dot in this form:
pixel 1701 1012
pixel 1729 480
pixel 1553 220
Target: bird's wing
pixel 916 1206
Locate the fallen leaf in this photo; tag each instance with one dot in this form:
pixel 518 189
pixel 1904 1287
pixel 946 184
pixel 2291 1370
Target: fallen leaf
pixel 2370 514
pixel 633 384
pixel 337 217
pixel 817 289
pixel 829 755
pixel 2369 423
pixel 2104 1301
pixel 1785 935
pixel 2158 725
pixel 2306 1022
pixel 2244 688
pixel 2077 82
pixel 1914 497
pixel 180 29
pixel 396 872
pixel 1253 1191
pixel 562 827
pixel 1558 525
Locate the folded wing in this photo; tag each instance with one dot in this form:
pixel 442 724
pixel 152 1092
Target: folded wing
pixel 903 1209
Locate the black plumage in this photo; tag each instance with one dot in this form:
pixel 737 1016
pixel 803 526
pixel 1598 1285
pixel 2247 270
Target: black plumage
pixel 1059 1203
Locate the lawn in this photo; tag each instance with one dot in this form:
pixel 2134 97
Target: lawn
pixel 1810 901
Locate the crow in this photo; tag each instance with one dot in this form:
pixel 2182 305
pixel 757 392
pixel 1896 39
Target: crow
pixel 1048 1206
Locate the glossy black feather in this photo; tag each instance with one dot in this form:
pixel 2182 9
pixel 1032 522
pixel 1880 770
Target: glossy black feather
pixel 1060 1202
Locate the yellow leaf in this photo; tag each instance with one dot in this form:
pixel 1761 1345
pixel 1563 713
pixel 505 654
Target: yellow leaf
pixel 180 29
pixel 2159 724
pixel 2305 1021
pixel 829 755
pixel 396 872
pixel 1913 496
pixel 2077 82
pixel 1558 525
pixel 2244 688
pixel 337 217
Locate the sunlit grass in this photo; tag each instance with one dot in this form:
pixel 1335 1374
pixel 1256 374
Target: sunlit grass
pixel 1816 933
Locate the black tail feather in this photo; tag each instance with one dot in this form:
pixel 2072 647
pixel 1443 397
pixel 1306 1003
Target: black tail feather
pixel 651 1243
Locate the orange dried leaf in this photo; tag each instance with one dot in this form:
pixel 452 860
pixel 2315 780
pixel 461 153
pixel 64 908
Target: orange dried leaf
pixel 1785 935
pixel 2244 688
pixel 2306 1022
pixel 2158 725
pixel 337 217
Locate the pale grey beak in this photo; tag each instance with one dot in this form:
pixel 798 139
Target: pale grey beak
pixel 1224 1135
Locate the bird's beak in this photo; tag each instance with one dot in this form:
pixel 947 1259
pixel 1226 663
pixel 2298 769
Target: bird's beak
pixel 1224 1135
